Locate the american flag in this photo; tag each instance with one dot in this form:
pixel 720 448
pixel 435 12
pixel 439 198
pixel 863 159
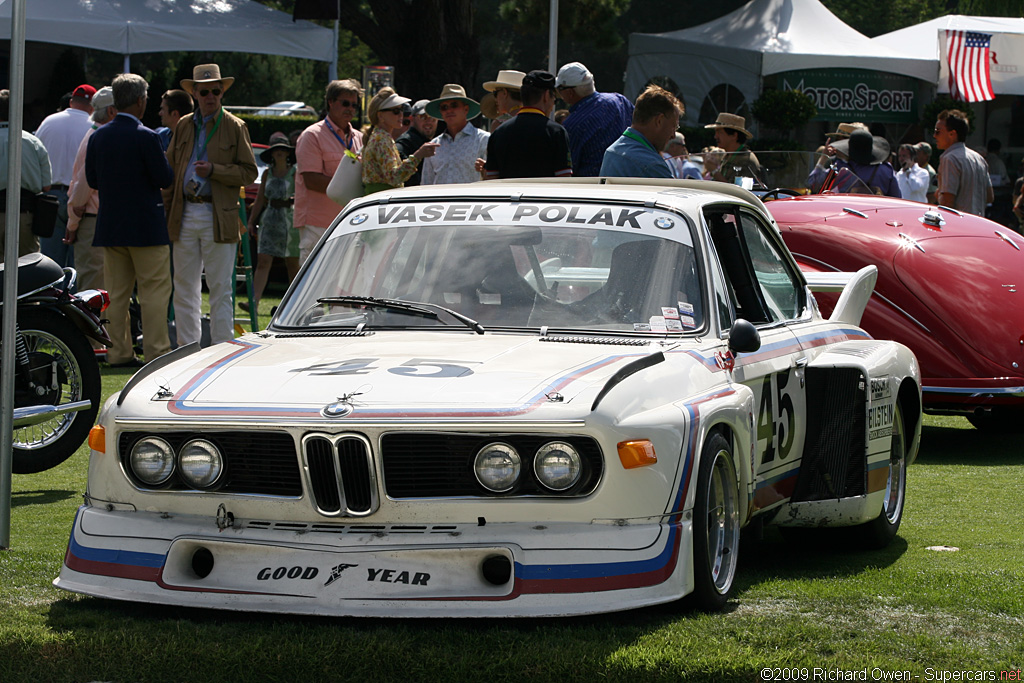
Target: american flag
pixel 970 78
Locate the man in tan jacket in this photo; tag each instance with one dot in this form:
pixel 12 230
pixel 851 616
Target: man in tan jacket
pixel 212 159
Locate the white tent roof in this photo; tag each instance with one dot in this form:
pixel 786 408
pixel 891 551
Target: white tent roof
pixel 136 26
pixel 761 38
pixel 928 39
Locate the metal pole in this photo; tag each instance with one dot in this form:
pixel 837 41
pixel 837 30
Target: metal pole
pixel 332 69
pixel 553 38
pixel 17 98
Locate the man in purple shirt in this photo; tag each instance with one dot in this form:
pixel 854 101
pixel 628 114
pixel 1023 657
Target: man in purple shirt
pixel 595 121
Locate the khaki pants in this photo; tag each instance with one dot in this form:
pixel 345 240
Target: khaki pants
pixel 88 259
pixel 28 243
pixel 150 267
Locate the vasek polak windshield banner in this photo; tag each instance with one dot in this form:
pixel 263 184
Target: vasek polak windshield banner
pixel 636 219
pixel 857 94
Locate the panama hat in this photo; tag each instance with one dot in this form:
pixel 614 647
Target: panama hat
pixel 453 91
pixel 843 130
pixel 206 73
pixel 732 122
pixel 506 79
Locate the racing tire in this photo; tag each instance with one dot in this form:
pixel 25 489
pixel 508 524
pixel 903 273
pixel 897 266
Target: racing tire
pixel 716 526
pixel 50 337
pixel 879 532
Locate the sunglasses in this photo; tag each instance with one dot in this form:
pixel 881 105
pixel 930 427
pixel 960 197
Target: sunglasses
pixel 450 105
pixel 346 103
pixel 395 110
pixel 216 92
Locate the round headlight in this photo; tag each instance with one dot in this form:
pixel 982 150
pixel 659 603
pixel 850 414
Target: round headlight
pixel 152 460
pixel 200 463
pixel 557 465
pixel 497 467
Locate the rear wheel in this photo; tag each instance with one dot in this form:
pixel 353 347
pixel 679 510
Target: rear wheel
pixel 998 420
pixel 63 366
pixel 716 526
pixel 879 532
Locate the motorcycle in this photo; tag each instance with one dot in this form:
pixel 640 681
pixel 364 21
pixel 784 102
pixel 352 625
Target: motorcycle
pixel 56 373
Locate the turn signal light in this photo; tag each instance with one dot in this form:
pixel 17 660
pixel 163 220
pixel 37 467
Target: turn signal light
pixel 637 453
pixel 98 438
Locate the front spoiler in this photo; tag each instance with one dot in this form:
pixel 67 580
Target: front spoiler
pixel 495 570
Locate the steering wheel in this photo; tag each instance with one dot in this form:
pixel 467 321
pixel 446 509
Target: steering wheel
pixel 777 193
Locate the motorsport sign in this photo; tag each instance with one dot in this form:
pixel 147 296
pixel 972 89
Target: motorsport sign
pixel 857 94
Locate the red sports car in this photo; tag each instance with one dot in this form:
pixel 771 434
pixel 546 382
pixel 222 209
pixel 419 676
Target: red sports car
pixel 950 286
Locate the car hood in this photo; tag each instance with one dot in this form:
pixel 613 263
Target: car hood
pixel 975 283
pixel 386 375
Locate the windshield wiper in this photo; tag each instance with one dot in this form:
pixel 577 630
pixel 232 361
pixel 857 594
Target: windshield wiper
pixel 418 308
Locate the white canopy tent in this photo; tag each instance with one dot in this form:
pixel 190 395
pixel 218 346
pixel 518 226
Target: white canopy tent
pixel 928 40
pixel 136 26
pixel 762 38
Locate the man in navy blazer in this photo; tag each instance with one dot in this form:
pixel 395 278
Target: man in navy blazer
pixel 125 163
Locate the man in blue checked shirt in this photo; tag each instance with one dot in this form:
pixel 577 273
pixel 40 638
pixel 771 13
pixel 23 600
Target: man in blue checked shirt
pixel 637 154
pixel 596 119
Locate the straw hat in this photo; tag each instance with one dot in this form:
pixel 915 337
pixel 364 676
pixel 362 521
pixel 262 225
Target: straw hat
pixel 506 79
pixel 453 91
pixel 731 122
pixel 843 130
pixel 206 73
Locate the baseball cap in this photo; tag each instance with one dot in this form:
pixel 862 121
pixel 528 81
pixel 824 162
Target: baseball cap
pixel 420 107
pixel 85 91
pixel 104 97
pixel 573 74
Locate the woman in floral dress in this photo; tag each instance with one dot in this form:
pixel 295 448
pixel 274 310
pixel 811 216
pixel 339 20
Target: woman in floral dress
pixel 276 198
pixel 383 166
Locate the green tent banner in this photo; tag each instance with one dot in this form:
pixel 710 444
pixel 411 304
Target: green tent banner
pixel 857 94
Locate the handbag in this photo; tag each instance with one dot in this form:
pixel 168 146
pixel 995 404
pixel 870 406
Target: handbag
pixel 44 214
pixel 347 182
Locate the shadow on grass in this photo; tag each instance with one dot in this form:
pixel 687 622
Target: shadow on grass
pixel 40 497
pixel 952 446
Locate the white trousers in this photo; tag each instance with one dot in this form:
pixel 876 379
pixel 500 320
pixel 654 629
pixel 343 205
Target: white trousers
pixel 309 235
pixel 194 252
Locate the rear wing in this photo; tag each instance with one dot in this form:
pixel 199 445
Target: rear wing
pixel 856 291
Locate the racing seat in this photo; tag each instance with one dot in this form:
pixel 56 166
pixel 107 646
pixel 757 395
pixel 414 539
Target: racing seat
pixel 484 283
pixel 629 274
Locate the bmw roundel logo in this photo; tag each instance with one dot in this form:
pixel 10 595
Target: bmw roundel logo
pixel 358 219
pixel 664 223
pixel 339 409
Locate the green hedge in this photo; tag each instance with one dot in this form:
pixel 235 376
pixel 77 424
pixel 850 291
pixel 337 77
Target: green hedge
pixel 260 127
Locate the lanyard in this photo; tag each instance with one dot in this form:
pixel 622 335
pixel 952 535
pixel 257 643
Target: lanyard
pixel 639 138
pixel 202 148
pixel 347 145
pixel 531 110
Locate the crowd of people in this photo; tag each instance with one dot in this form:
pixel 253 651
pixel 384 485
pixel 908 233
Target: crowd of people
pixel 149 213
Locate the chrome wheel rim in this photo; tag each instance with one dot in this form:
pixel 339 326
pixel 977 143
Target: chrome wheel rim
pixel 892 505
pixel 722 516
pixel 45 433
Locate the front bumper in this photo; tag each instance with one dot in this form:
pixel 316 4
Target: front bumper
pixel 963 395
pixel 497 570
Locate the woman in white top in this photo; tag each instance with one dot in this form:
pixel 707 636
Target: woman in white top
pixel 912 179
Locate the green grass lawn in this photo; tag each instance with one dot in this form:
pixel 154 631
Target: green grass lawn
pixel 904 608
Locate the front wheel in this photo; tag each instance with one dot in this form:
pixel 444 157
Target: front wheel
pixel 63 367
pixel 716 526
pixel 879 532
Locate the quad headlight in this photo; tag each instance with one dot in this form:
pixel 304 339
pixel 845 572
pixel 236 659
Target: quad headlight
pixel 152 460
pixel 200 463
pixel 497 467
pixel 557 465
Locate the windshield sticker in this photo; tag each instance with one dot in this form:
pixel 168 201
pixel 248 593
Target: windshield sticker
pixel 641 327
pixel 658 323
pixel 686 308
pixel 670 313
pixel 504 214
pixel 673 325
pixel 687 321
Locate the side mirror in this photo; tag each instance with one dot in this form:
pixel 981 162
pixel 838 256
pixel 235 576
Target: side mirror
pixel 743 337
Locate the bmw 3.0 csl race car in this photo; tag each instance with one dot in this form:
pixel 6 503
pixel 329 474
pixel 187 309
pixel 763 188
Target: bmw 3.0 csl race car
pixel 505 399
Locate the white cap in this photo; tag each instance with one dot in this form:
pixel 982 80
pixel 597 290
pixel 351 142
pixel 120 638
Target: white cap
pixel 573 74
pixel 104 97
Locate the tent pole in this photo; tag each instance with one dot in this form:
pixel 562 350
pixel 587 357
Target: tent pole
pixel 127 67
pixel 332 68
pixel 553 38
pixel 15 118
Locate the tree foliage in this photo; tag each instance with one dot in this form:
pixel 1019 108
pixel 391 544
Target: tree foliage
pixel 597 18
pixel 783 110
pixel 875 17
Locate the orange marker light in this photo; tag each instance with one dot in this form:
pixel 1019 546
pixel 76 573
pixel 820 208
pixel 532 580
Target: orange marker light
pixel 637 453
pixel 98 438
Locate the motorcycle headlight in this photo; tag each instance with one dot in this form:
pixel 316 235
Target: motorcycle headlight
pixel 497 467
pixel 200 464
pixel 152 460
pixel 557 466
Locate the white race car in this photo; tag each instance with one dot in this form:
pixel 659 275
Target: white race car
pixel 522 398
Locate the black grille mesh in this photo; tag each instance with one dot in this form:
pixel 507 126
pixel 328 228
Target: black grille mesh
pixel 323 479
pixel 834 463
pixel 340 473
pixel 427 465
pixel 255 462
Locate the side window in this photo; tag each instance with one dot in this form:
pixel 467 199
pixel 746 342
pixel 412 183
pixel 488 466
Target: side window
pixel 780 290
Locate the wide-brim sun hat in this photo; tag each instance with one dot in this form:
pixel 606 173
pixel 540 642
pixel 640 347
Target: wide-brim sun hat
pixel 864 148
pixel 453 91
pixel 206 73
pixel 506 79
pixel 267 155
pixel 732 122
pixel 489 106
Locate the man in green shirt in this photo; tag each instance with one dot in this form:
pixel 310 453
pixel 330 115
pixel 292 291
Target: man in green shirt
pixel 35 178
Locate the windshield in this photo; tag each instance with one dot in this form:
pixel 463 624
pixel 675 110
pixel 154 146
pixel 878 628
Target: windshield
pixel 513 270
